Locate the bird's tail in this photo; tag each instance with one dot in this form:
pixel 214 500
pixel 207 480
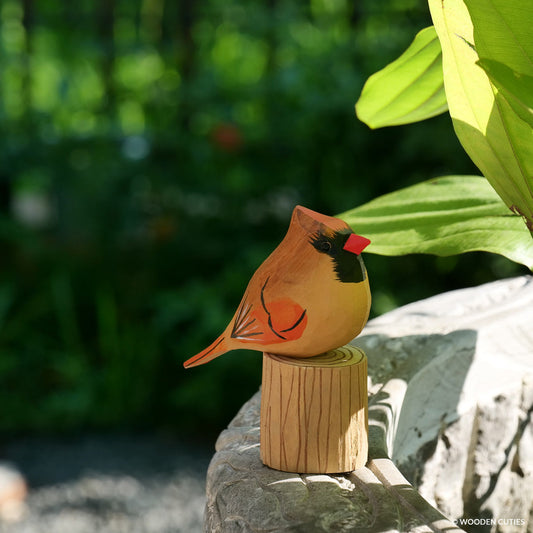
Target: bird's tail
pixel 213 350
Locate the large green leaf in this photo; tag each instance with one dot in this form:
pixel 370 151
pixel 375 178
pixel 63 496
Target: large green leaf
pixel 408 90
pixel 495 138
pixel 443 216
pixel 517 88
pixel 502 31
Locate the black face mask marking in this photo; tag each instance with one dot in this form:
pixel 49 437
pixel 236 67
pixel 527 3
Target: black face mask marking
pixel 348 266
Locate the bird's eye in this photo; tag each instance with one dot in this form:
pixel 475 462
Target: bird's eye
pixel 325 246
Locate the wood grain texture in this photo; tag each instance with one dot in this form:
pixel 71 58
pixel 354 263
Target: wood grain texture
pixel 314 412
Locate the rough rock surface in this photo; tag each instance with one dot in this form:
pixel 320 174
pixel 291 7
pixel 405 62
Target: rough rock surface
pixel 451 384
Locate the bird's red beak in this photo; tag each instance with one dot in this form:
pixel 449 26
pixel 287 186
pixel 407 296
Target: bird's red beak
pixel 356 244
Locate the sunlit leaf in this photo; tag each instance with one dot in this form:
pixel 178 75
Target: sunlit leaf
pixel 517 88
pixel 495 138
pixel 409 89
pixel 443 216
pixel 502 31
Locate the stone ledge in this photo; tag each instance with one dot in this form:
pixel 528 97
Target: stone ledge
pixel 451 397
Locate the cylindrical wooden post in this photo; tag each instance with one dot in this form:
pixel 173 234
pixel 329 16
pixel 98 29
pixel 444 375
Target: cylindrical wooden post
pixel 314 412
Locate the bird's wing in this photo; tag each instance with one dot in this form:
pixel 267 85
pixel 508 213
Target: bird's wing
pixel 270 322
pixel 246 325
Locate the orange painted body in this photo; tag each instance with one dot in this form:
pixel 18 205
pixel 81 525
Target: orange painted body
pixel 298 303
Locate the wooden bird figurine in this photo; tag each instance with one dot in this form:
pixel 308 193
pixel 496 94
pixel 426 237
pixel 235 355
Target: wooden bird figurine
pixel 309 296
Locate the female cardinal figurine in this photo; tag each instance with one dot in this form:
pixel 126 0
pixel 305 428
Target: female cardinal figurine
pixel 311 295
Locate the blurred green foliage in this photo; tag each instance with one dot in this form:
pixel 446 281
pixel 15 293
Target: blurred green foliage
pixel 151 154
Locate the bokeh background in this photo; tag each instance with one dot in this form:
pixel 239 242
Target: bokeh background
pixel 151 153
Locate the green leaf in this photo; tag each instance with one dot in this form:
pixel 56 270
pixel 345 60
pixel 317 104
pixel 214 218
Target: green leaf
pixel 517 88
pixel 444 216
pixel 408 90
pixel 502 31
pixel 495 138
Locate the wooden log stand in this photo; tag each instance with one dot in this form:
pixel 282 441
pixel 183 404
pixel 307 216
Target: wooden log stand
pixel 314 412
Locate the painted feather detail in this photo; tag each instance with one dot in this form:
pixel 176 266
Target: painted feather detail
pixel 286 320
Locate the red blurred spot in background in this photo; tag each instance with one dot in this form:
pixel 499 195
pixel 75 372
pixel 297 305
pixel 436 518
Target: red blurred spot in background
pixel 227 137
